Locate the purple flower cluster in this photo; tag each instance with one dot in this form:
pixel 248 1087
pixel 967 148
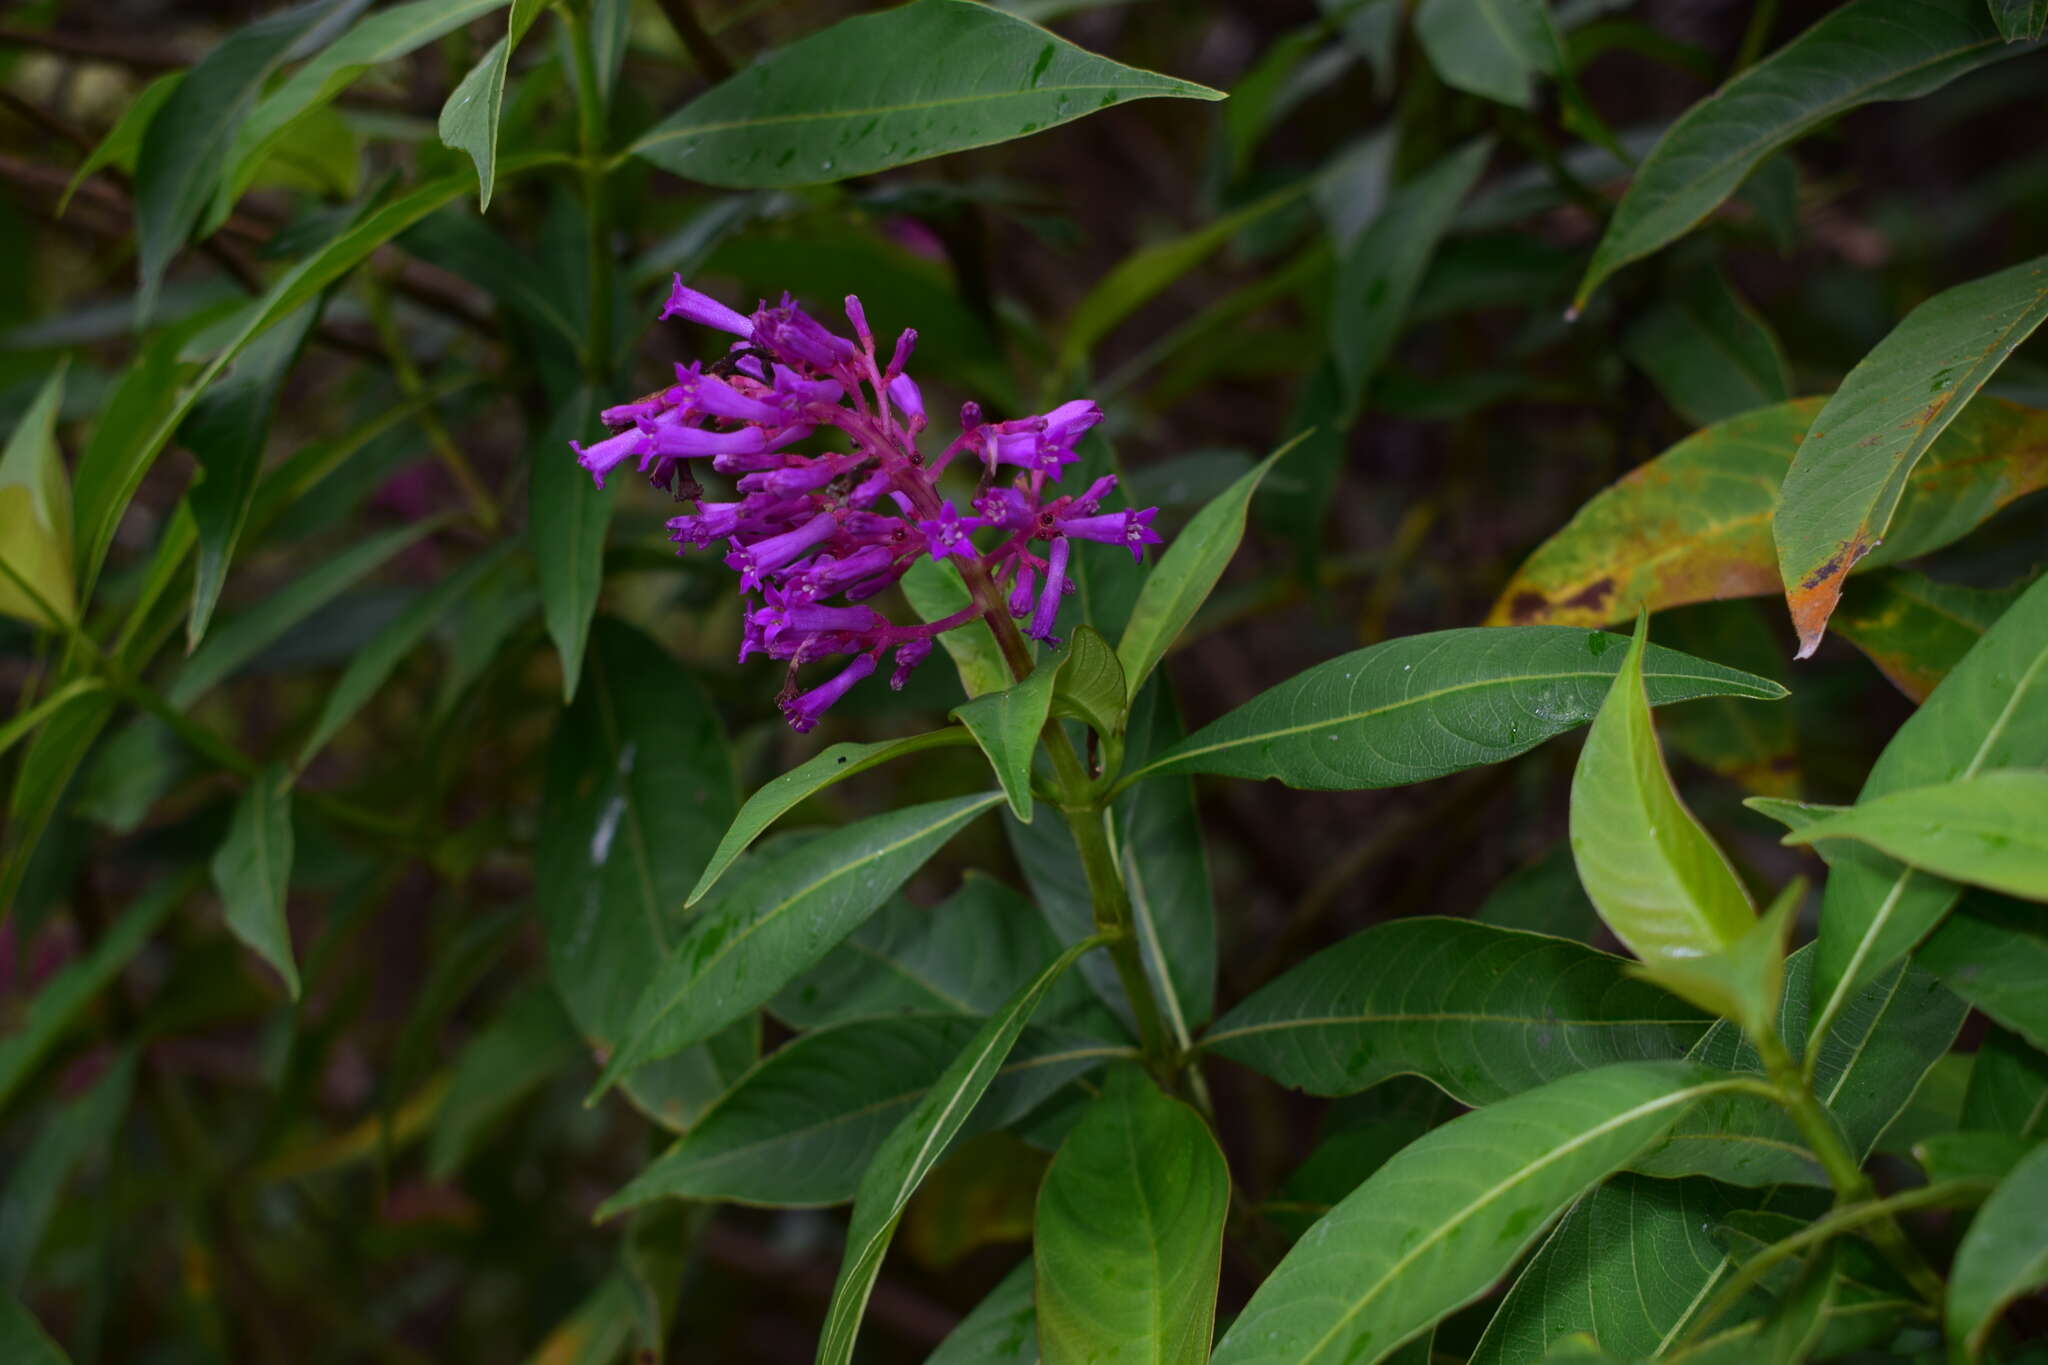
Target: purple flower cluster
pixel 806 528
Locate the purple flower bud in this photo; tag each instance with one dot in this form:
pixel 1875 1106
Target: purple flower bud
pixel 1132 530
pixel 803 710
pixel 798 476
pixel 601 457
pixel 684 302
pixel 1020 595
pixel 794 336
pixel 1048 608
pixel 785 615
pixel 1091 497
pixel 906 342
pixel 766 556
pixel 826 575
pixel 639 412
pixel 708 395
pixel 909 655
pixel 948 533
pixel 797 391
pixel 858 316
pixel 903 392
pixel 872 487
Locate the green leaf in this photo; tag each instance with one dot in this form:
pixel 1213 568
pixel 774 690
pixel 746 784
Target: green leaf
pixel 253 869
pixel 1631 1264
pixel 1544 896
pixel 1745 981
pixel 1129 1235
pixel 1435 1227
pixel 123 142
pixel 1481 1012
pixel 1141 275
pixel 23 1340
pixel 1707 350
pixel 1091 686
pixel 2003 1256
pixel 934 591
pixel 1868 1067
pixel 1006 725
pixel 1657 877
pixel 2008 1089
pixel 2020 21
pixel 1990 830
pixel 469 120
pixel 35 516
pixel 800 1127
pixel 1000 1330
pixel 509 1058
pixel 1694 524
pixel 373 665
pixel 777 918
pixel 566 519
pixel 226 432
pixel 779 795
pixel 1865 52
pixel 383 36
pixel 917 1144
pixel 1992 952
pixel 1421 706
pixel 79 1131
pixel 887 89
pixel 1491 48
pixel 230 648
pixel 42 779
pixel 1756 747
pixel 1378 276
pixel 1990 712
pixel 1185 575
pixel 637 780
pixel 23 724
pixel 1989 1157
pixel 1851 472
pixel 1915 629
pixel 964 956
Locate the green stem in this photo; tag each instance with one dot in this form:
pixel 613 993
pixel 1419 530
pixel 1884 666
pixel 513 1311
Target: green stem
pixel 1844 1172
pixel 1085 811
pixel 482 506
pixel 590 133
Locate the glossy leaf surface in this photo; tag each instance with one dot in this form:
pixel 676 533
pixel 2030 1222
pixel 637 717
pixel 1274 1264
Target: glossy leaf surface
pixel 1006 725
pixel 1992 951
pixel 469 120
pixel 2002 1256
pixel 1990 830
pixel 253 868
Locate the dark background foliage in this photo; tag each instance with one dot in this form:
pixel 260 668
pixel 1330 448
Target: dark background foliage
pixel 271 1197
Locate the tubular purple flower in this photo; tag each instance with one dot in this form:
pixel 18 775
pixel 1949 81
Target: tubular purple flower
pixel 1020 596
pixel 909 655
pixel 799 476
pixel 766 556
pixel 1055 588
pixel 906 342
pixel 948 533
pixel 785 616
pixel 601 457
pixel 903 392
pixel 685 302
pixel 825 575
pixel 858 316
pixel 707 394
pixel 794 335
pixel 803 710
pixel 1131 529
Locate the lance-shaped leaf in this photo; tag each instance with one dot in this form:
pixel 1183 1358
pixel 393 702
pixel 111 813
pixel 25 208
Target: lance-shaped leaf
pixel 35 516
pixel 1006 725
pixel 1493 48
pixel 776 919
pixel 1914 628
pixel 1866 51
pixel 1990 830
pixel 1128 1239
pixel 1708 352
pixel 934 591
pixel 1377 278
pixel 1694 524
pixel 22 1338
pixel 1658 879
pixel 916 1145
pixel 637 779
pixel 1745 981
pixel 881 90
pixel 253 868
pixel 469 120
pixel 1481 1012
pixel 566 519
pixel 186 145
pixel 779 795
pixel 41 780
pixel 2020 21
pixel 1091 686
pixel 226 433
pixel 78 1131
pixel 2002 1256
pixel 383 36
pixel 2008 1087
pixel 1992 952
pixel 800 1127
pixel 1990 712
pixel 1846 483
pixel 1423 706
pixel 1000 1330
pixel 1434 1228
pixel 1186 574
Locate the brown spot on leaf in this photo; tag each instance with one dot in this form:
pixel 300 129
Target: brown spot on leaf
pixel 1525 607
pixel 1591 597
pixel 1813 601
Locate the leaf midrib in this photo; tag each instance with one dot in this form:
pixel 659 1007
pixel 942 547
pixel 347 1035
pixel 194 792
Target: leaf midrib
pixel 656 139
